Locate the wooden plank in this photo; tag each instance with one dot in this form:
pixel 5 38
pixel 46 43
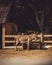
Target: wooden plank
pixel 28 44
pixel 18 35
pixel 3 36
pixel 20 47
pixel 47 35
pixel 10 47
pixel 48 46
pixel 47 41
pixel 13 47
pixel 12 35
pixel 9 41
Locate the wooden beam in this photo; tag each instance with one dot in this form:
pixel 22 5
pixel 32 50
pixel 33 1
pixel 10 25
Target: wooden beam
pixel 47 41
pixel 12 36
pixel 9 41
pixel 47 35
pixel 3 36
pixel 9 46
pixel 28 44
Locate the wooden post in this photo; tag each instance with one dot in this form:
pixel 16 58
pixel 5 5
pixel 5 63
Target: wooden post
pixel 16 43
pixel 41 37
pixel 22 45
pixel 41 40
pixel 3 36
pixel 28 44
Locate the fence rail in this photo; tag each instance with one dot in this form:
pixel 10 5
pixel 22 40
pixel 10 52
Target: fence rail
pixel 9 41
pixel 47 41
pixel 47 35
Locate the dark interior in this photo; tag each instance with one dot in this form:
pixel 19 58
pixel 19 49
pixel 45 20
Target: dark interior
pixel 0 35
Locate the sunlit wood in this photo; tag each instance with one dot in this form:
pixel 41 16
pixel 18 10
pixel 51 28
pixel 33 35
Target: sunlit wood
pixel 3 36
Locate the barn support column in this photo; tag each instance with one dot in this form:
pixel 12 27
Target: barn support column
pixel 3 36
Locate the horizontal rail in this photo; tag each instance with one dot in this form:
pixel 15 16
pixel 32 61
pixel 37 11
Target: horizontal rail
pixel 47 35
pixel 12 36
pixel 17 35
pixel 9 41
pixel 13 47
pixel 10 47
pixel 47 41
pixel 20 35
pixel 32 41
pixel 48 46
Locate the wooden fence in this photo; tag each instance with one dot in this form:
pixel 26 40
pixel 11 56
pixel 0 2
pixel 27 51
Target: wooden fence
pixel 41 36
pixel 4 41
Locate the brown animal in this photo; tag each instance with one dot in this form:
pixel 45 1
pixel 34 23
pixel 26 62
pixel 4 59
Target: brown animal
pixel 11 28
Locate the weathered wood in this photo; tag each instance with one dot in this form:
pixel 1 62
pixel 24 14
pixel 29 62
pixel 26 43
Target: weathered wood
pixel 47 35
pixel 12 36
pixel 9 47
pixel 47 41
pixel 22 39
pixel 28 43
pixel 42 41
pixel 3 36
pixel 9 41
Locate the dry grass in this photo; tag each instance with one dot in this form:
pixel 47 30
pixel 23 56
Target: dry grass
pixel 26 53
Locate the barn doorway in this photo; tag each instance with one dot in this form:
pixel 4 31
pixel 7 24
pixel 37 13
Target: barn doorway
pixel 0 35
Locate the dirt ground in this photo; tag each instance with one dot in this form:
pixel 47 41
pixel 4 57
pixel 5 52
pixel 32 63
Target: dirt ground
pixel 25 57
pixel 25 53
